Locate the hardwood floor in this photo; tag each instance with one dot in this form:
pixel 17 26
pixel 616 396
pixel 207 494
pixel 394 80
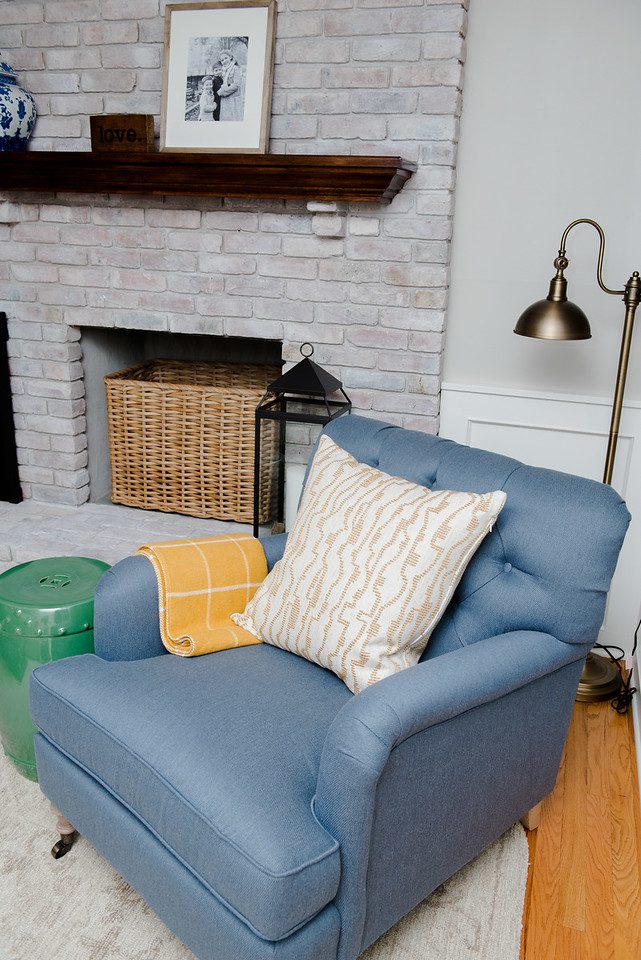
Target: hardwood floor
pixel 583 899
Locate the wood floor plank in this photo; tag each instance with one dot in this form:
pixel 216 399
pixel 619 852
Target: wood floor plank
pixel 573 830
pixel 544 915
pixel 600 906
pixel 635 790
pixel 597 758
pixel 567 944
pixel 626 880
pixel 621 755
pixel 583 900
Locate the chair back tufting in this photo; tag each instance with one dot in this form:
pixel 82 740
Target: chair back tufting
pixel 549 560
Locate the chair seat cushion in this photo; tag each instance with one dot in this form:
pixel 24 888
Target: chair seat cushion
pixel 218 756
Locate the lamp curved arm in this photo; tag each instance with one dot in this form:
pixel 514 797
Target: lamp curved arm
pixel 599 267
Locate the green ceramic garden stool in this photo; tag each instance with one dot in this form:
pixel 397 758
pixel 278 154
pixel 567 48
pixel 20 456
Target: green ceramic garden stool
pixel 46 613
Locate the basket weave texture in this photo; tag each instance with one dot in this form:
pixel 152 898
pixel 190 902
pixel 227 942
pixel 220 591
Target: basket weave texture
pixel 181 438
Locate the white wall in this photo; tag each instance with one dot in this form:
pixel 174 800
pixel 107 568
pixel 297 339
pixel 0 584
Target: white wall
pixel 550 132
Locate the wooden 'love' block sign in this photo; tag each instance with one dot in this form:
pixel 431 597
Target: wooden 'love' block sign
pixel 122 131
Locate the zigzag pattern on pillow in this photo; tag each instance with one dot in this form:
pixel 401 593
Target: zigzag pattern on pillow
pixel 369 568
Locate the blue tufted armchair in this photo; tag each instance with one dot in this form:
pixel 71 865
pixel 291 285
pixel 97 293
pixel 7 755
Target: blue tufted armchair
pixel 263 810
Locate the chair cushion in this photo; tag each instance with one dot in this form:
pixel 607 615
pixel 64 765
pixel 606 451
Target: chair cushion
pixel 218 756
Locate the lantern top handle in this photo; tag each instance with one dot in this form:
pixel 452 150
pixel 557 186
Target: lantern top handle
pixel 310 352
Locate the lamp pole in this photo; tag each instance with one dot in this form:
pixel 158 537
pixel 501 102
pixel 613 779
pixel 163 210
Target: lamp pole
pixel 631 298
pixel 556 318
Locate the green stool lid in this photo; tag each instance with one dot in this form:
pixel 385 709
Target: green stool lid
pixel 49 598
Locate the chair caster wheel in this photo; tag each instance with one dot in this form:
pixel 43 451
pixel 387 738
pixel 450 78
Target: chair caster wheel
pixel 63 846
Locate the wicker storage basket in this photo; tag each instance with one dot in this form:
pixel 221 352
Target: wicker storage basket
pixel 181 438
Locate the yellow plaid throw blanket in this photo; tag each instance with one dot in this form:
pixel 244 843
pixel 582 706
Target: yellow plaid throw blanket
pixel 200 584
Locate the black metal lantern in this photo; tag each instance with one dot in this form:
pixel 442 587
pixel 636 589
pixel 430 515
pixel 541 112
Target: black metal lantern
pixel 306 385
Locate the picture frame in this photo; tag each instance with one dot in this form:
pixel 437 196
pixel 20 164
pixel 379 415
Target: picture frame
pixel 217 76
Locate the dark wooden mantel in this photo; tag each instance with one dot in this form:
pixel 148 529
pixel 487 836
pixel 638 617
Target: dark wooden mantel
pixel 273 176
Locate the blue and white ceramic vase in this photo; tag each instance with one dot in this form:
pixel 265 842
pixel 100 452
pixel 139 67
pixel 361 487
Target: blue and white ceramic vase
pixel 17 111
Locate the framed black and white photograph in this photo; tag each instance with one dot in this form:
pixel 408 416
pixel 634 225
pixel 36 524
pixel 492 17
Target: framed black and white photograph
pixel 217 78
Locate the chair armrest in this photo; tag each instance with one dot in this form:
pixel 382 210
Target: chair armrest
pixel 387 713
pixel 423 769
pixel 126 623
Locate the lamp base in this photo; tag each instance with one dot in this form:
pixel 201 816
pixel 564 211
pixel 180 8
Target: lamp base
pixel 600 680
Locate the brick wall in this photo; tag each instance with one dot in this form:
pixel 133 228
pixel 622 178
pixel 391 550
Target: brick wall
pixel 366 284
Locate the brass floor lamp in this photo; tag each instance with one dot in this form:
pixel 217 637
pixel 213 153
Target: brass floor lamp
pixel 557 318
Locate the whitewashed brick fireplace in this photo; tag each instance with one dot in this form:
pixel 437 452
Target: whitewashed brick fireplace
pixel 366 284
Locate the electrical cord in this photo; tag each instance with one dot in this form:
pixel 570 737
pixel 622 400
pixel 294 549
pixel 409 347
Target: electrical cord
pixel 621 702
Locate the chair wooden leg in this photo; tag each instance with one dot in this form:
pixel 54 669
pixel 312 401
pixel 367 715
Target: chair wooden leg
pixel 532 818
pixel 67 836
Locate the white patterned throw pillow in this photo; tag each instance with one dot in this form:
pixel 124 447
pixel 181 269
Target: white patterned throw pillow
pixel 369 567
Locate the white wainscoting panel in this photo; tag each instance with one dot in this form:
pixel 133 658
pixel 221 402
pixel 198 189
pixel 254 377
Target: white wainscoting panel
pixel 569 433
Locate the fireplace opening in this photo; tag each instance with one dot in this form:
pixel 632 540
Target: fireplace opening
pixel 106 350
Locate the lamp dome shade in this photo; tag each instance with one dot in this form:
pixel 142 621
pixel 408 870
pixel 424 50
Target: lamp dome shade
pixel 554 320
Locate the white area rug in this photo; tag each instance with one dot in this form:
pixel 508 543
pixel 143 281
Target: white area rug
pixel 78 908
